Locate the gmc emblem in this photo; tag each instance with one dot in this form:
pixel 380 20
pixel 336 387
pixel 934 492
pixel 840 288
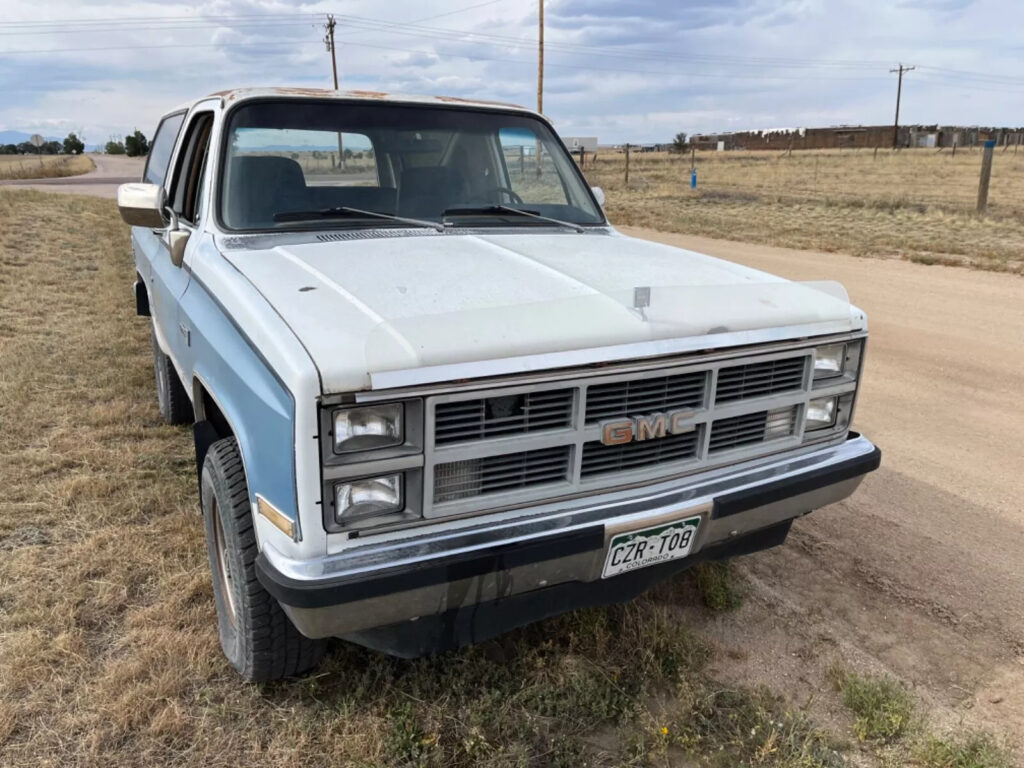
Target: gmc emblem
pixel 646 427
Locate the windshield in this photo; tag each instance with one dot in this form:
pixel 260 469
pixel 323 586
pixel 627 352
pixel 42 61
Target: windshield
pixel 301 164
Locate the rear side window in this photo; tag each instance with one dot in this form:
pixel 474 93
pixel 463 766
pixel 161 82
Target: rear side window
pixel 160 150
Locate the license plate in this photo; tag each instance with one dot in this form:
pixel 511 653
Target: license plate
pixel 648 546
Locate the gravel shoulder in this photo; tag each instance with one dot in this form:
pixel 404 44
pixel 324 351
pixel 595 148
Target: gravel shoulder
pixel 919 574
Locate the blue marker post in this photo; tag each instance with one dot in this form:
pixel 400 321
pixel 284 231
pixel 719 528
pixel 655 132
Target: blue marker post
pixel 693 178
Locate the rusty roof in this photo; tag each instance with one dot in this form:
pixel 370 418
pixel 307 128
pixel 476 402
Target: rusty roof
pixel 240 94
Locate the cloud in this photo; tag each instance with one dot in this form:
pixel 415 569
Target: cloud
pixel 624 70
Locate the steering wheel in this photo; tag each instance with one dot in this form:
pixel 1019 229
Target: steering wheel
pixel 512 196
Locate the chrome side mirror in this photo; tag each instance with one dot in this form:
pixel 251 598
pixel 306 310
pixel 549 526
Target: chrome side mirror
pixel 174 238
pixel 599 194
pixel 141 205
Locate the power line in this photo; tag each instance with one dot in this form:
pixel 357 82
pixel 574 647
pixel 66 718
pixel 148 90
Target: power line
pixel 253 22
pixel 460 10
pixel 405 28
pixel 470 56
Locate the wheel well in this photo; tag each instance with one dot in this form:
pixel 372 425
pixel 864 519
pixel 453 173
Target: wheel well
pixel 141 297
pixel 210 426
pixel 207 410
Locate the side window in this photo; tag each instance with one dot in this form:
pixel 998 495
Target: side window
pixel 186 192
pixel 531 169
pixel 160 151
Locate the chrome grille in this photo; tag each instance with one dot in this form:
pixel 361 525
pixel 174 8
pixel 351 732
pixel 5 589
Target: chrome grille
pixel 599 458
pixel 498 416
pixel 505 472
pixel 751 428
pixel 663 393
pixel 758 379
pixel 533 442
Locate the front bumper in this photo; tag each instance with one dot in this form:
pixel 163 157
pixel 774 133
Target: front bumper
pixel 471 583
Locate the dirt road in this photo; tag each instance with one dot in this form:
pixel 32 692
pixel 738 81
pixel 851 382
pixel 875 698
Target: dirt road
pixel 102 181
pixel 921 573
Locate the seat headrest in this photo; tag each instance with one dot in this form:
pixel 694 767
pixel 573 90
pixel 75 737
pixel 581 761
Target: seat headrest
pixel 261 186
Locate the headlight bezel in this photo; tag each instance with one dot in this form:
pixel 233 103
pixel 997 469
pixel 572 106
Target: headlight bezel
pixel 405 458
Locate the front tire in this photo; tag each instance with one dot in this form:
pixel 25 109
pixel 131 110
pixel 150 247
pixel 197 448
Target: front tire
pixel 255 633
pixel 171 397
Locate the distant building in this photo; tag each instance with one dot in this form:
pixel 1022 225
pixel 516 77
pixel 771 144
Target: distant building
pixel 586 143
pixel 857 136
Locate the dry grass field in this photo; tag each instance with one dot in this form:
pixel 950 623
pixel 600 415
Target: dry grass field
pixel 108 644
pixel 915 204
pixel 43 166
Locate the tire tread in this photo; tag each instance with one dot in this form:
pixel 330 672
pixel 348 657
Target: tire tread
pixel 269 646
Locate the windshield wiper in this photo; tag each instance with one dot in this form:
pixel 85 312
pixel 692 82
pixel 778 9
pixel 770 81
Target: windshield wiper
pixel 484 210
pixel 345 211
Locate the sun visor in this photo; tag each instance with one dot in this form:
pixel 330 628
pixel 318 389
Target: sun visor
pixel 595 327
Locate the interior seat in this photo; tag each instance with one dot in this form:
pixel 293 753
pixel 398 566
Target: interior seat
pixel 261 186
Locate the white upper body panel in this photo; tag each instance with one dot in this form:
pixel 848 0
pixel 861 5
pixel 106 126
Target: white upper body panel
pixel 370 306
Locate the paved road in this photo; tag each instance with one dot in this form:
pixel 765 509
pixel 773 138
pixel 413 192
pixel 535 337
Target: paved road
pixel 921 572
pixel 102 181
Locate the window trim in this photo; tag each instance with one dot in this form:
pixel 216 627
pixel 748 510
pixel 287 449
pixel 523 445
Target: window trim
pixel 186 154
pixel 174 144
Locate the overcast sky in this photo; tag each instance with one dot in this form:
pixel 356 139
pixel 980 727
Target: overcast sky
pixel 623 70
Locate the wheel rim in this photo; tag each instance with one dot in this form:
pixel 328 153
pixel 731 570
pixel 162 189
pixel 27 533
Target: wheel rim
pixel 223 568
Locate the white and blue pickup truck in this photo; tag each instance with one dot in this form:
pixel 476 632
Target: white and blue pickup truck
pixel 436 396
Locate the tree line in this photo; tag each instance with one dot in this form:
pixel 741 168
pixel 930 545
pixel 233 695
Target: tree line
pixel 134 145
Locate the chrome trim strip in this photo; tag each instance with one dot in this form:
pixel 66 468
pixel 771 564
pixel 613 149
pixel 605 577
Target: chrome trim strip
pixel 560 375
pixel 613 508
pixel 410 377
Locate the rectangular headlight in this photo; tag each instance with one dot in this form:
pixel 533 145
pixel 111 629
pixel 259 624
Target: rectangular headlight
pixel 829 361
pixel 368 497
pixel 821 413
pixel 368 427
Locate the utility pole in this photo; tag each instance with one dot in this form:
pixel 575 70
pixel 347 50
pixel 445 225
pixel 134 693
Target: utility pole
pixel 540 59
pixel 329 41
pixel 540 76
pixel 899 90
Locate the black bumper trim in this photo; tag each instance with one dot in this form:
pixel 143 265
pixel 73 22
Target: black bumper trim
pixel 482 621
pixel 805 482
pixel 300 594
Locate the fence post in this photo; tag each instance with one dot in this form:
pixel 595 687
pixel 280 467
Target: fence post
pixel 986 174
pixel 627 164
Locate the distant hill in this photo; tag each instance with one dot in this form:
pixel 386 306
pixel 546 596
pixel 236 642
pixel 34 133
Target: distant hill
pixel 16 137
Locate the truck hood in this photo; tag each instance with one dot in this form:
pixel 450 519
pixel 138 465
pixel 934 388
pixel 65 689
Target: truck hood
pixel 376 311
